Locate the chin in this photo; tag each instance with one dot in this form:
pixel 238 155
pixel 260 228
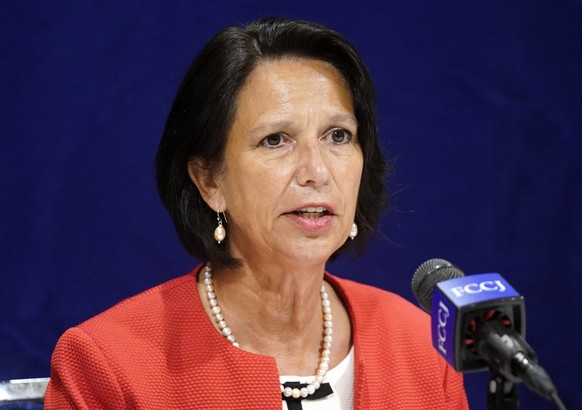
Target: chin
pixel 310 251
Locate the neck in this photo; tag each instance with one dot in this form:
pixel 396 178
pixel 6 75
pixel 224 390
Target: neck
pixel 281 304
pixel 278 315
pixel 326 342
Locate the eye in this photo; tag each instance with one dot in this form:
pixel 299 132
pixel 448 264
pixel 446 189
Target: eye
pixel 340 136
pixel 273 141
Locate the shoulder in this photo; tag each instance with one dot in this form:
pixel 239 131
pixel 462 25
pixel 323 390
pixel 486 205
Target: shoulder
pixel 388 329
pixel 382 317
pixel 148 307
pixel 129 347
pixel 138 326
pixel 371 304
pixel 135 330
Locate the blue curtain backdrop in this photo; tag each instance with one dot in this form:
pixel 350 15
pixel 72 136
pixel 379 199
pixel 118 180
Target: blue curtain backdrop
pixel 480 106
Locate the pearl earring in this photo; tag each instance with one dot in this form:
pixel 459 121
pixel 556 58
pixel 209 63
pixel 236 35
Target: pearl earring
pixel 354 231
pixel 219 232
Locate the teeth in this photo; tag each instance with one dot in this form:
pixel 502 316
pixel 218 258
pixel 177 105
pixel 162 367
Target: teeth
pixel 311 209
pixel 312 212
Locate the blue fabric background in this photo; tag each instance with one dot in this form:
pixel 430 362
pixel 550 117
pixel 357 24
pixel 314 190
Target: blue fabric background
pixel 480 105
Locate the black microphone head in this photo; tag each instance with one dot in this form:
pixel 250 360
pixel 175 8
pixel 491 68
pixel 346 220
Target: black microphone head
pixel 428 275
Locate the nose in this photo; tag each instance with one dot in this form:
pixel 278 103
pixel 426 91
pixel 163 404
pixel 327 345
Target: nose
pixel 313 165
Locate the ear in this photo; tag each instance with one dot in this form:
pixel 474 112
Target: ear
pixel 207 185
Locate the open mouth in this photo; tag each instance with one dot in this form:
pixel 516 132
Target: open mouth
pixel 312 213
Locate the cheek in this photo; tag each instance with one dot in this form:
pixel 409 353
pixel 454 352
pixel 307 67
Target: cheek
pixel 349 170
pixel 355 179
pixel 251 188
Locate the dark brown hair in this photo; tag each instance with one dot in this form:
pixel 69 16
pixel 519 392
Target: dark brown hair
pixel 204 110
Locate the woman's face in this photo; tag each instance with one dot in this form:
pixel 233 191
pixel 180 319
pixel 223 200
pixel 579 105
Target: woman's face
pixel 293 163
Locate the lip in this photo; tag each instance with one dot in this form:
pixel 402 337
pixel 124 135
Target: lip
pixel 313 225
pixel 328 207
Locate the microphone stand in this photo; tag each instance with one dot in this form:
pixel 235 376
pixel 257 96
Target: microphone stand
pixel 501 393
pixel 511 360
pixel 499 345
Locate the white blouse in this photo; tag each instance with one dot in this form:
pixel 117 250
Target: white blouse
pixel 341 379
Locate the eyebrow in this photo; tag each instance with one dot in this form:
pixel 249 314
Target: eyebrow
pixel 343 118
pixel 279 125
pixel 270 127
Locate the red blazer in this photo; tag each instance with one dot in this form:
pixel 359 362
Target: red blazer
pixel 159 350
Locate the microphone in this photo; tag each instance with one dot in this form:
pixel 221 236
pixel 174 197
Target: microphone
pixel 478 323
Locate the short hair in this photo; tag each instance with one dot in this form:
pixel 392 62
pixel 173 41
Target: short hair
pixel 205 107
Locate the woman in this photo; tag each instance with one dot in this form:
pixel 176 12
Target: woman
pixel 269 165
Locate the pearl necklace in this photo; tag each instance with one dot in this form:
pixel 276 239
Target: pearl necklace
pixel 326 342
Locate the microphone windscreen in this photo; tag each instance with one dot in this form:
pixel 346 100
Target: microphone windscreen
pixel 428 275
